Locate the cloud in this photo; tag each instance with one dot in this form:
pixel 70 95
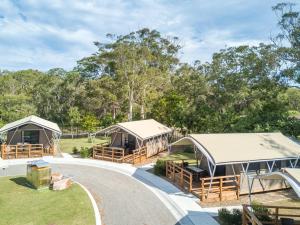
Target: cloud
pixel 43 34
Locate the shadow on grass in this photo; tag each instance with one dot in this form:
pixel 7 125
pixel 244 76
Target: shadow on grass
pixel 22 181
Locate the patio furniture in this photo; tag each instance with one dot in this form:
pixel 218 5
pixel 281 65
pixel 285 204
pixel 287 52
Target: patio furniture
pixel 197 172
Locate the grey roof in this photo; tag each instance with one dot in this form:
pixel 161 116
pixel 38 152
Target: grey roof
pixel 31 120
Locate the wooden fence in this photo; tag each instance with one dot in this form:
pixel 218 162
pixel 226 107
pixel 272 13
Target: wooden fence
pixel 25 151
pixel 218 188
pixel 179 176
pixel 115 154
pixel 208 189
pixel 274 213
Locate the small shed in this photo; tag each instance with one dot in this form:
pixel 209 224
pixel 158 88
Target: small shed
pixel 136 134
pixel 29 135
pixel 245 154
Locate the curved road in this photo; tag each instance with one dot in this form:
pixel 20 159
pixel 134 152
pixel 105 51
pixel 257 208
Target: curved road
pixel 121 199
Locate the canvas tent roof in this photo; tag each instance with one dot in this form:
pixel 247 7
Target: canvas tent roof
pixel 243 147
pixel 291 175
pixel 31 120
pixel 142 129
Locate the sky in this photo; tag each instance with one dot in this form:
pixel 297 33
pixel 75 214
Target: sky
pixel 45 34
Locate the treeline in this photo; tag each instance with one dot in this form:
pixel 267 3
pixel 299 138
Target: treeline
pixel 139 76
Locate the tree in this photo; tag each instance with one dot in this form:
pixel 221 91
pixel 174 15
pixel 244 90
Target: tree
pixel 74 117
pixel 288 40
pixel 89 123
pixel 137 62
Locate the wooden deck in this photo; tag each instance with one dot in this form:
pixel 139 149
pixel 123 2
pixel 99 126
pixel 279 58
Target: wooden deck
pixel 25 151
pixel 272 214
pixel 118 155
pixel 208 190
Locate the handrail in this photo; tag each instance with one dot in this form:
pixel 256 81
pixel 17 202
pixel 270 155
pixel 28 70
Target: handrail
pixel 273 215
pixel 24 150
pixel 249 217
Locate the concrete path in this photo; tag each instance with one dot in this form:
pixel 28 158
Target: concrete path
pixel 127 195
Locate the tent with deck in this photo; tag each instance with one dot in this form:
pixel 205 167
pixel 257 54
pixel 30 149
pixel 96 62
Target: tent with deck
pixel 244 154
pixel 136 134
pixel 29 137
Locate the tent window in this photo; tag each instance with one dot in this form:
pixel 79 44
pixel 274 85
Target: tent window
pixel 31 136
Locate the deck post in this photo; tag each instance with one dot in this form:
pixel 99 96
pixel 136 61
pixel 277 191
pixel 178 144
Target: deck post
pixel 123 154
pixel 112 154
pixel 29 149
pixel 276 215
pixel 202 190
pixel 191 183
pixel 238 187
pixel 221 188
pixel 102 152
pixel 181 178
pixel 16 151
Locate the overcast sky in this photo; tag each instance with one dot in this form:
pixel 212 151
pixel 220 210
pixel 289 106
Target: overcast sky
pixel 43 34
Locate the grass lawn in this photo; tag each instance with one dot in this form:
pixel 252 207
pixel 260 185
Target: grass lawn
pixel 21 205
pixel 178 156
pixel 67 145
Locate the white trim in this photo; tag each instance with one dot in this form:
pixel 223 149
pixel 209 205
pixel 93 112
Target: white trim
pixel 94 204
pixel 199 147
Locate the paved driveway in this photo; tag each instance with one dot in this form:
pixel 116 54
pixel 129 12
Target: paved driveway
pixel 121 199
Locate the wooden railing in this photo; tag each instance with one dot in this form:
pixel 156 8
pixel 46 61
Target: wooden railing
pixel 249 217
pixel 274 213
pixel 137 156
pixel 218 188
pixel 113 154
pixel 25 151
pixel 179 176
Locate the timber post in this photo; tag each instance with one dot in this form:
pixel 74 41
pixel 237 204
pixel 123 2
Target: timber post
pixel 202 190
pixel 221 188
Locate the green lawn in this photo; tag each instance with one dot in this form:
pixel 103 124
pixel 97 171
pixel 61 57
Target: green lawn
pixel 67 145
pixel 178 156
pixel 21 205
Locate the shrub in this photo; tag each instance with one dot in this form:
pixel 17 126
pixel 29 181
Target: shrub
pixel 228 217
pixel 85 152
pixel 188 149
pixel 261 212
pixel 75 150
pixel 160 167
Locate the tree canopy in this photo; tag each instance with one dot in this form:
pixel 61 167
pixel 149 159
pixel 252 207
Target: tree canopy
pixel 139 75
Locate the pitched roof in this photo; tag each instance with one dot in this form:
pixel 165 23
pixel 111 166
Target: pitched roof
pixel 243 147
pixel 142 129
pixel 31 120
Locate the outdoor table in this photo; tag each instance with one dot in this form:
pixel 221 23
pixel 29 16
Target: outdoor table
pixel 195 170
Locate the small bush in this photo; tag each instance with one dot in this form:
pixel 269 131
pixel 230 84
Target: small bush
pixel 228 217
pixel 85 152
pixel 75 150
pixel 188 149
pixel 261 212
pixel 160 167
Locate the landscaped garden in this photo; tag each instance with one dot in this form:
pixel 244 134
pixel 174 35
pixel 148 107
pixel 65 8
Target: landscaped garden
pixel 21 204
pixel 69 145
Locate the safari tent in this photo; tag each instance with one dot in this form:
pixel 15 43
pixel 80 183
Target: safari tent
pixel 136 134
pixel 243 154
pixel 29 137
